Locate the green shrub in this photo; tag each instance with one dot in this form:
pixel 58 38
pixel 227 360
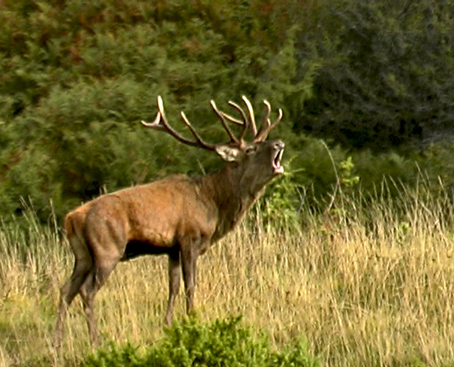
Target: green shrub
pixel 220 343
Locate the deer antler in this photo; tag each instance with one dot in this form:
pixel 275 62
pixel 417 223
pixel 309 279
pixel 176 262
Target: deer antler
pixel 223 117
pixel 160 123
pixel 248 121
pixel 265 127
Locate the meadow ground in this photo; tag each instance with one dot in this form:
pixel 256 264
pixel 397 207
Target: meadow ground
pixel 363 286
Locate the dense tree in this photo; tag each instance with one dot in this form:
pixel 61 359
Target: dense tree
pixel 384 73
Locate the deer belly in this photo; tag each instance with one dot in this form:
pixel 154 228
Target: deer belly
pixel 140 248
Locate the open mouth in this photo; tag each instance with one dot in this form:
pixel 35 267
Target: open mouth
pixel 277 168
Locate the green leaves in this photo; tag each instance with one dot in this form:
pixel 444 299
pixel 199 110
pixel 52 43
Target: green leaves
pixel 220 343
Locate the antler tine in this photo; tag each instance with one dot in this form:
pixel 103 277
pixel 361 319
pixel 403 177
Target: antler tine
pixel 223 117
pixel 195 134
pixel 245 123
pixel 155 124
pixel 233 119
pixel 266 119
pixel 160 123
pixel 263 133
pixel 251 115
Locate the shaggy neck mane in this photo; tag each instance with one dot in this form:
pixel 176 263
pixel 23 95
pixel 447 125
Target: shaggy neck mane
pixel 231 195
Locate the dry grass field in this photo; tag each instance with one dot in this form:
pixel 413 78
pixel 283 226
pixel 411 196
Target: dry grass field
pixel 363 287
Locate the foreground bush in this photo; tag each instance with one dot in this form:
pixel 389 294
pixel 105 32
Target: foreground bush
pixel 221 343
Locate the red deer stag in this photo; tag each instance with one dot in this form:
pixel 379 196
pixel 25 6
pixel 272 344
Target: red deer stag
pixel 178 216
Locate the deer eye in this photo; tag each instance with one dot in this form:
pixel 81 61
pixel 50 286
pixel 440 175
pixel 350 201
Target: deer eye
pixel 251 149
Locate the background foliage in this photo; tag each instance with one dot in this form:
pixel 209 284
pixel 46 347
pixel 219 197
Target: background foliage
pixel 371 78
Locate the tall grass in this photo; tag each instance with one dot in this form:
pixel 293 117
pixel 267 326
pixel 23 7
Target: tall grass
pixel 365 284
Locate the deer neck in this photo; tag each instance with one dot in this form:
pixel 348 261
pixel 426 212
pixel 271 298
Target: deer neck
pixel 231 197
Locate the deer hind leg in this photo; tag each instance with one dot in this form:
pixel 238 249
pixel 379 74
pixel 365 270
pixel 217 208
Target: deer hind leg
pixel 174 283
pixel 92 284
pixel 82 266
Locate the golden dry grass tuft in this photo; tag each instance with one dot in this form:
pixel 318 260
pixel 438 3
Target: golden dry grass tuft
pixel 364 287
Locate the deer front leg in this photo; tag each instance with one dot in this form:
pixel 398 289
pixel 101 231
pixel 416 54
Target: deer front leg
pixel 189 256
pixel 174 283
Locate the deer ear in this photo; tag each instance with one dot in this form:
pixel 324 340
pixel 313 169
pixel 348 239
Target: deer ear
pixel 229 154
